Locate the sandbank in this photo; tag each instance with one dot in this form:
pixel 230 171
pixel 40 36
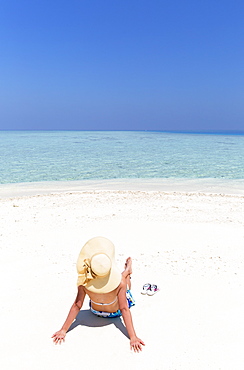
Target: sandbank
pixel 186 237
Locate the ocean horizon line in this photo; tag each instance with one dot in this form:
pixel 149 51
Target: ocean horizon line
pixel 187 132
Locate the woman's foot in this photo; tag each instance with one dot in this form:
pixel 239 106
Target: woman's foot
pixel 128 266
pixel 128 271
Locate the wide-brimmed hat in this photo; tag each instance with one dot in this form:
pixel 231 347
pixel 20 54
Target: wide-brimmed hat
pixel 96 266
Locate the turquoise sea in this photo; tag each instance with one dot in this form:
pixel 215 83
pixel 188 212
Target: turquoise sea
pixel 36 156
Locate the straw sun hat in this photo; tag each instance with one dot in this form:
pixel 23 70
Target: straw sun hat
pixel 96 266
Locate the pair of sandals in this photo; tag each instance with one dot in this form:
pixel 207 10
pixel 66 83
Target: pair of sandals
pixel 149 289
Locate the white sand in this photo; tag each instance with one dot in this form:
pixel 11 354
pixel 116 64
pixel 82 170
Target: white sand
pixel 189 243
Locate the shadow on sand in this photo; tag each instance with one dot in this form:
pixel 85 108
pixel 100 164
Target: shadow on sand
pixel 87 318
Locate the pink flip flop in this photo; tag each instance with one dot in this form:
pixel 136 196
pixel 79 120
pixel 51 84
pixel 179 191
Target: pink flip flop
pixel 152 290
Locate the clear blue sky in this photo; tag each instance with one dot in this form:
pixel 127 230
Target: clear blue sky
pixel 122 65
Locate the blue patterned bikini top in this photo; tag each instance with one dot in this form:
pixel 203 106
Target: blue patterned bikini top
pixel 105 304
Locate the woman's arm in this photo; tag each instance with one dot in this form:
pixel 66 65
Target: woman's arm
pixel 59 336
pixel 135 342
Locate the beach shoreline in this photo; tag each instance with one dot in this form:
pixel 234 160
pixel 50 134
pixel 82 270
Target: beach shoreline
pixel 208 186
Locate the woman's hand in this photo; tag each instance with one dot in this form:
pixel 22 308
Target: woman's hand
pixel 59 336
pixel 136 344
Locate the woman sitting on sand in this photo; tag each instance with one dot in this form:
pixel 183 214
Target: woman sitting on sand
pixel 107 288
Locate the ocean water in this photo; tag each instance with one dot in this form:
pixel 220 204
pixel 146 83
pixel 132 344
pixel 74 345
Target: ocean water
pixel 37 156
